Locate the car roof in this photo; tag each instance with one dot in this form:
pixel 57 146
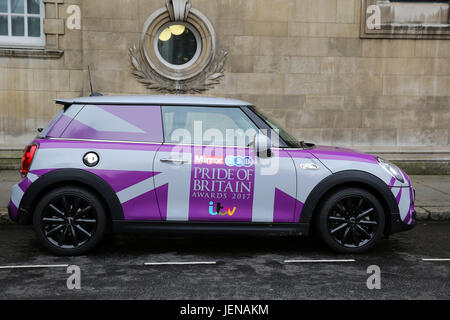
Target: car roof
pixel 172 100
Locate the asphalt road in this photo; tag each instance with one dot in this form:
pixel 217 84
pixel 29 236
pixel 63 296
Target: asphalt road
pixel 244 268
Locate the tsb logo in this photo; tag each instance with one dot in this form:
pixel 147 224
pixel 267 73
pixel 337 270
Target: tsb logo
pixel 233 161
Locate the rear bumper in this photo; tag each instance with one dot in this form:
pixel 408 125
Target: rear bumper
pixel 19 215
pixel 10 213
pixel 14 214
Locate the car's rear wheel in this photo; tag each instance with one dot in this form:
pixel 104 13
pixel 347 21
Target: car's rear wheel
pixel 69 221
pixel 351 220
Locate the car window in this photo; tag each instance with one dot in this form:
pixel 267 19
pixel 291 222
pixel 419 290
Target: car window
pixel 117 123
pixel 52 123
pixel 285 135
pixel 217 126
pixel 57 126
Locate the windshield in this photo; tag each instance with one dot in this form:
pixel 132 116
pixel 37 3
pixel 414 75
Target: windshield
pixel 291 141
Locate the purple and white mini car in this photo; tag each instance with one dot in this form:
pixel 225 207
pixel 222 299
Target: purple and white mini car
pixel 198 164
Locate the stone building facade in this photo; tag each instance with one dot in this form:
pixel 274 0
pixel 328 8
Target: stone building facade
pixel 314 65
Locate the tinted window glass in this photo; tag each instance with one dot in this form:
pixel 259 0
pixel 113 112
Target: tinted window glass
pixel 18 27
pixel 3 25
pixel 57 126
pixel 34 6
pixel 285 135
pixel 4 6
pixel 208 126
pixel 17 6
pixel 117 123
pixel 44 132
pixel 34 27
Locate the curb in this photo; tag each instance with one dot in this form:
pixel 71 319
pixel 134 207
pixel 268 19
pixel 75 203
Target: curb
pixel 423 214
pixel 433 213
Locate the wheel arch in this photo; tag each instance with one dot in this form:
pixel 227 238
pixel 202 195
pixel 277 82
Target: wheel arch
pixel 65 177
pixel 345 179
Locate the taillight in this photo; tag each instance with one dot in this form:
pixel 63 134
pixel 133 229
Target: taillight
pixel 27 159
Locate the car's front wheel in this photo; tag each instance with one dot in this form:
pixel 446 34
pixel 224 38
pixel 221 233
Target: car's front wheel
pixel 69 221
pixel 351 220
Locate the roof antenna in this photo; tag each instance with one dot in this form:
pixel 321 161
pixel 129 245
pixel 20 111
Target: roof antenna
pixel 93 94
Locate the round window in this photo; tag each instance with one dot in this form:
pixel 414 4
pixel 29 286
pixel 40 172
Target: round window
pixel 178 45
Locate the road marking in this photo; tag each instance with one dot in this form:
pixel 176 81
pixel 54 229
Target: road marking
pixel 178 263
pixel 320 261
pixel 35 266
pixel 436 259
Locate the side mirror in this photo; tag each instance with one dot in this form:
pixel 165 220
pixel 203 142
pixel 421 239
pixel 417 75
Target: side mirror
pixel 262 145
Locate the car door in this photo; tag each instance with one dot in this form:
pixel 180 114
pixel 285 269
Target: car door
pixel 208 172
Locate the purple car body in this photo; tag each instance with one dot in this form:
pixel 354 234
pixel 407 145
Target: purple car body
pixel 149 182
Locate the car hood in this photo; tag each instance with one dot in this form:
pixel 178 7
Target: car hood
pixel 337 153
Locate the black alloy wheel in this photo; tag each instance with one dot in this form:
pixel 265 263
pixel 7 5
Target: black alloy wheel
pixel 351 220
pixel 69 221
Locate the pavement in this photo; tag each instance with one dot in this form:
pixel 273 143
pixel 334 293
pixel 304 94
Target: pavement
pixel 411 265
pixel 432 195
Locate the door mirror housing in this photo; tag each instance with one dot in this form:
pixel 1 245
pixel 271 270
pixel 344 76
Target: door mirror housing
pixel 262 145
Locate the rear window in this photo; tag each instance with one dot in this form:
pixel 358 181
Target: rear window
pixel 57 126
pixel 117 123
pixel 44 133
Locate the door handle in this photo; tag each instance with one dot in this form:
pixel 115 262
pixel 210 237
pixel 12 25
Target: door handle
pixel 181 161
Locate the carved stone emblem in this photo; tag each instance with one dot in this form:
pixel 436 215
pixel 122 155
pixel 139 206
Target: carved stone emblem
pixel 178 9
pixel 156 74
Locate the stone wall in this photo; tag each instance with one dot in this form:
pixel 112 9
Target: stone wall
pixel 302 61
pixel 30 80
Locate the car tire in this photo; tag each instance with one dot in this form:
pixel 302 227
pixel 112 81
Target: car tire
pixel 69 221
pixel 351 220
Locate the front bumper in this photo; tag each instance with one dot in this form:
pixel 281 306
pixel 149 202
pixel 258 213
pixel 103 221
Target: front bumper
pixel 397 225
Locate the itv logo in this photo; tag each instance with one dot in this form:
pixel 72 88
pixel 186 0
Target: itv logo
pixel 217 210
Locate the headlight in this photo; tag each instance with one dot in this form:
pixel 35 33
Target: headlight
pixel 392 169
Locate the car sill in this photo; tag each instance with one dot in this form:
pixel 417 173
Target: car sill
pixel 122 226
